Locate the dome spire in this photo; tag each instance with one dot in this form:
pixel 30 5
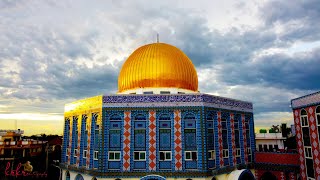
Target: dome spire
pixel 157 37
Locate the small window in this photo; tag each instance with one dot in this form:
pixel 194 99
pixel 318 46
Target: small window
pixel 211 155
pixel 249 151
pixel 84 154
pixel 190 155
pixel 276 147
pixel 181 93
pixel 114 155
pixel 164 92
pixel 165 155
pixel 75 152
pixel 139 155
pixel 225 153
pixel 308 152
pixel 304 118
pixel 95 155
pixel 238 152
pixel 318 115
pixel 148 92
pixel 270 147
pixel 260 148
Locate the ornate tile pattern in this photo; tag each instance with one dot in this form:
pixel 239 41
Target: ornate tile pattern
pixel 256 174
pixel 314 137
pixel 282 175
pixel 292 176
pixel 152 141
pixel 89 119
pixel 177 140
pixel 173 100
pixel 221 163
pixel 299 143
pixel 307 100
pixel 234 159
pixel 244 138
pixel 126 141
pixel 70 141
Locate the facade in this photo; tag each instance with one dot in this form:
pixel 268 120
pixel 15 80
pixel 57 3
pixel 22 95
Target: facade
pixel 269 142
pixel 12 146
pixel 158 126
pixel 306 112
pixel 276 166
pixel 272 159
pixel 15 150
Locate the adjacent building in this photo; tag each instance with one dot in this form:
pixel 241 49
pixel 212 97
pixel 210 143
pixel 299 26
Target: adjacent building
pixel 306 112
pixel 273 159
pixel 158 126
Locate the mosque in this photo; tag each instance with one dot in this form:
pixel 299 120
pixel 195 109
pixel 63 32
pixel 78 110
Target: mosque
pixel 158 126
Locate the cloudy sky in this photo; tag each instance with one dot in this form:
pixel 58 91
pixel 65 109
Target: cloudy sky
pixel 54 52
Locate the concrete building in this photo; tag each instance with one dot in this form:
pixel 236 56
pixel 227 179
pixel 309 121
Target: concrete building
pixel 306 112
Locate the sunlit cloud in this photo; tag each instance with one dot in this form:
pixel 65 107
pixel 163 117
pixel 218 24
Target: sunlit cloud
pixel 31 116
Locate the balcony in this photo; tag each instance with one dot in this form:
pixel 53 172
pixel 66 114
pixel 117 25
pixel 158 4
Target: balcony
pixel 277 158
pixel 269 136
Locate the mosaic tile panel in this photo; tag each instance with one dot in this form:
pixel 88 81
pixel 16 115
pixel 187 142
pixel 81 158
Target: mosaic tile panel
pixel 244 138
pixel 314 137
pixel 221 163
pixel 177 140
pixel 234 159
pixel 126 141
pixel 152 141
pixel 300 143
pixel 307 100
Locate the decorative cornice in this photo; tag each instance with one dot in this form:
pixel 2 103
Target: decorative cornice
pixel 159 100
pixel 307 100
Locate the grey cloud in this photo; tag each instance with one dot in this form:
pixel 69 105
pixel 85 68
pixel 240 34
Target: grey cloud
pixel 299 71
pixel 299 19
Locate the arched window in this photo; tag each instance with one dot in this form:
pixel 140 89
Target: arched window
pixel 140 117
pixel 164 117
pixel 307 143
pixel 165 155
pixel 79 177
pixel 211 140
pixel 237 121
pixel 139 140
pixel 115 117
pixel 248 137
pixel 304 118
pixel 190 140
pixel 225 118
pixel 67 175
pixel 114 154
pixel 318 119
pixel 67 136
pixel 189 117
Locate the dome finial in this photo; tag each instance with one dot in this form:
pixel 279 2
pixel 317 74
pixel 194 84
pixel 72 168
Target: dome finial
pixel 157 37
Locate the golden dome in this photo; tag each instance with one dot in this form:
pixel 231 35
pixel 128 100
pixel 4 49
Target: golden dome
pixel 158 65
